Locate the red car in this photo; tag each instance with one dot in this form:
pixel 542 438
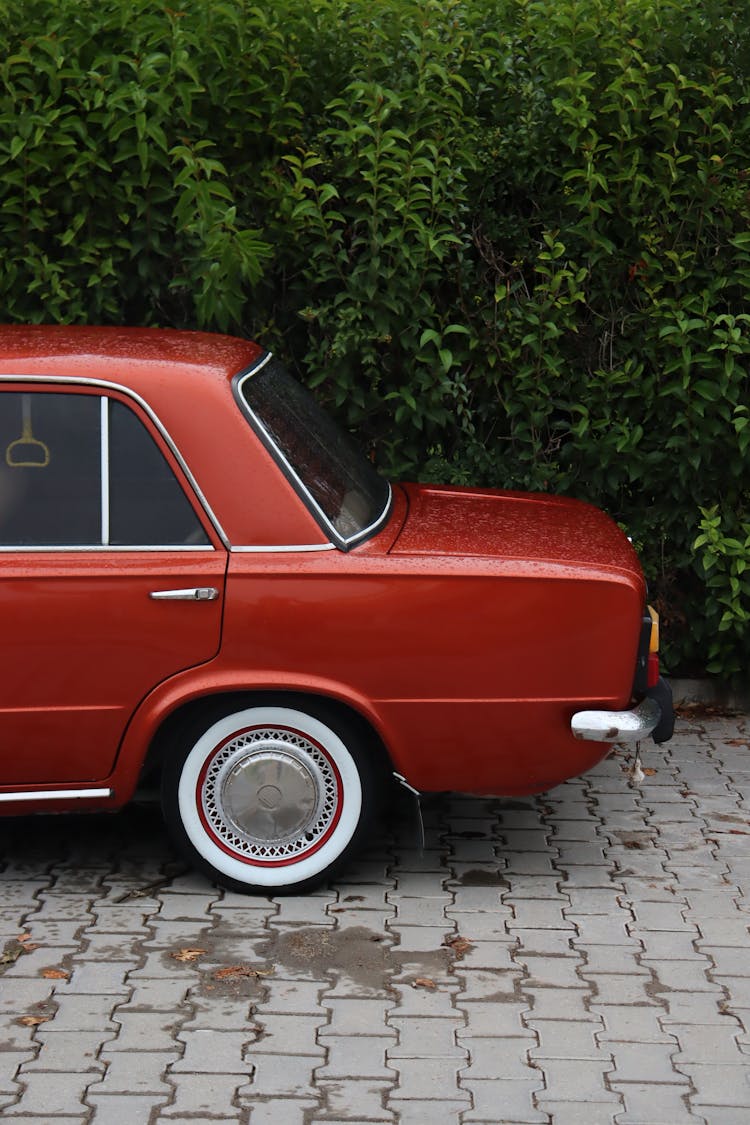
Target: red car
pixel 201 574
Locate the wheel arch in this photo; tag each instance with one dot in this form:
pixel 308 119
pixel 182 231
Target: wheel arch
pixel 201 710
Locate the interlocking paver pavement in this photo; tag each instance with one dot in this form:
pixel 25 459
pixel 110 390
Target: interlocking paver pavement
pixel 582 956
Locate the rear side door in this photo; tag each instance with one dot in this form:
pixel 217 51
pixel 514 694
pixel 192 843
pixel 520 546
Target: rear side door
pixel 111 576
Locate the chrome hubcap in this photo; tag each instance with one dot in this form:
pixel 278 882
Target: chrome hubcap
pixel 270 795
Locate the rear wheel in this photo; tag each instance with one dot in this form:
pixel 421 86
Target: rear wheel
pixel 269 799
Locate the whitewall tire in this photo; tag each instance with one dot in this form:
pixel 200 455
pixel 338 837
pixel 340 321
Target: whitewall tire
pixel 269 798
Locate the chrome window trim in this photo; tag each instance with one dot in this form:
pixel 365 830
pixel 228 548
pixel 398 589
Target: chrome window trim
pixel 286 548
pixel 337 539
pixel 103 548
pixel 104 384
pixel 104 466
pixel 55 795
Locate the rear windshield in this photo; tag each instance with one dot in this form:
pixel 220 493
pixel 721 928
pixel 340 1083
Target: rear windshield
pixel 331 473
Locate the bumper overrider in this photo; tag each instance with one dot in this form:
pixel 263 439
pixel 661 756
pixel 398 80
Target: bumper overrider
pixel 652 716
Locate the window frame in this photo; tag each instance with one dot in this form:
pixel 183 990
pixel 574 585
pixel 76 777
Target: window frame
pixel 106 392
pixel 336 539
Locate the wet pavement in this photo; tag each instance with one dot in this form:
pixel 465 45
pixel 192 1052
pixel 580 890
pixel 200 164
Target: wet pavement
pixel 582 956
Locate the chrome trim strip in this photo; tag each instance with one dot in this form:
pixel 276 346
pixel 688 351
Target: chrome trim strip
pixel 99 548
pixel 56 795
pixel 286 548
pixel 617 726
pixel 238 382
pixel 104 466
pixel 68 380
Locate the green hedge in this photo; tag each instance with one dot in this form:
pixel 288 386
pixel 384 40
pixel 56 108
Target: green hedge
pixel 507 239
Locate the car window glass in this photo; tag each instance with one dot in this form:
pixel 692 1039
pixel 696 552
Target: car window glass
pixel 323 457
pixel 50 469
pixel 147 503
pixel 52 448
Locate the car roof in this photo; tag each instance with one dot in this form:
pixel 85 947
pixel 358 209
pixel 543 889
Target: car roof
pixel 184 379
pixel 83 351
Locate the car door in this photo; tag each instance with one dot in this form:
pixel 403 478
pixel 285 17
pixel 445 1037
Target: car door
pixel 111 577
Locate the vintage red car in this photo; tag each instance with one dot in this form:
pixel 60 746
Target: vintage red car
pixel 201 574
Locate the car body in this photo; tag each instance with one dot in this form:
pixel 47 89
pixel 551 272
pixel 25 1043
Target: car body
pixel 200 574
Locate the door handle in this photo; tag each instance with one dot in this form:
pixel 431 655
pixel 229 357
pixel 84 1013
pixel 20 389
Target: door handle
pixel 194 594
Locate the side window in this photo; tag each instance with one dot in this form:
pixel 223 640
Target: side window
pixel 50 469
pixel 147 504
pixel 83 470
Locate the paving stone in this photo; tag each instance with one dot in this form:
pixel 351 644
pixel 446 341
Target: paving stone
pixel 650 1103
pixel 559 1003
pixel 416 1000
pixel 420 1037
pixel 481 926
pixel 68 1051
pixel 646 1062
pixel 10 1063
pixel 567 1039
pixel 82 1013
pixel 119 1109
pixel 511 1098
pixel 136 1072
pixel 632 1023
pixel 142 1031
pixel 419 939
pixel 498 1058
pixel 719 1086
pixel 726 931
pixel 187 906
pixel 611 959
pixel 346 1017
pixel 201 1093
pixel 105 978
pixel 354 1100
pixel 695 1007
pixel 683 976
pixel 355 1056
pixel 51 1095
pixel 486 984
pixel 733 962
pixel 488 1019
pixel 416 1112
pixel 529 914
pixel 213 1052
pixel 426 1079
pixel 577 1080
pixel 154 995
pixel 293 996
pixel 715 1044
pixel 560 972
pixel 280 1111
pixel 599 929
pixel 280 1075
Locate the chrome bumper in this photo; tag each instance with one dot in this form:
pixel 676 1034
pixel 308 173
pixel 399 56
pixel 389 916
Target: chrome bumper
pixel 617 726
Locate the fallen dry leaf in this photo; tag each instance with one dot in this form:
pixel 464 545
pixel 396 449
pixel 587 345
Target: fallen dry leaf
pixel 424 982
pixel 34 1021
pixel 55 974
pixel 737 742
pixel 459 945
pixel 11 955
pixel 232 972
pixel 188 954
pixel 738 832
pixel 649 771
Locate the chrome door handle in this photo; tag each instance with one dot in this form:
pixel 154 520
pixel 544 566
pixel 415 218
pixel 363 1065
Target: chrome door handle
pixel 195 594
